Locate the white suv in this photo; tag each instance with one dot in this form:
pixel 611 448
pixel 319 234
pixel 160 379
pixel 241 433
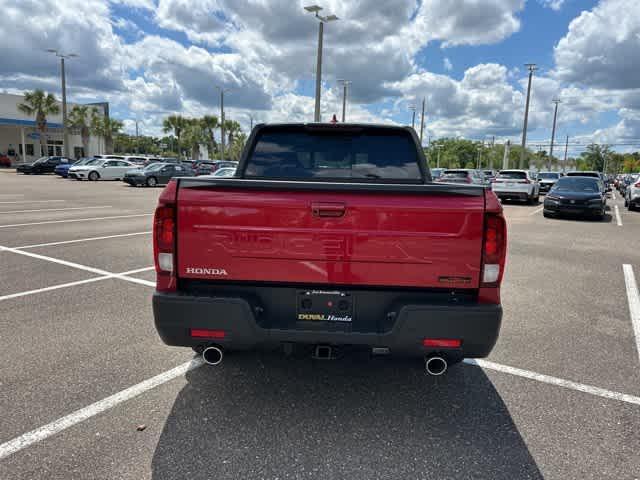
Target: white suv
pixel 632 194
pixel 519 184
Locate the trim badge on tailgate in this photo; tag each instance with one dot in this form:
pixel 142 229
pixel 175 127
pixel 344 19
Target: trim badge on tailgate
pixel 206 271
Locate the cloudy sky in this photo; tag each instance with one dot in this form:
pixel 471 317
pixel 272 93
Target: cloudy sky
pixel 149 58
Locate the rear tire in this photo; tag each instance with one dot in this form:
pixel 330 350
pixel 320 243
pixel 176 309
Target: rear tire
pixel 152 182
pixel 94 176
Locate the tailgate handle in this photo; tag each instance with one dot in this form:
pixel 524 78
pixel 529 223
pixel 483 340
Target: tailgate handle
pixel 328 209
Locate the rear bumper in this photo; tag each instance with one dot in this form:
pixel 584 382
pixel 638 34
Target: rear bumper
pixel 477 325
pixel 134 180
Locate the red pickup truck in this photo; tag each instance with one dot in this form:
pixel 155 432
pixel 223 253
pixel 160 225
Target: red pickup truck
pixel 330 238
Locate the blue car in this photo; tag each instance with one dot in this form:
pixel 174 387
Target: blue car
pixel 63 168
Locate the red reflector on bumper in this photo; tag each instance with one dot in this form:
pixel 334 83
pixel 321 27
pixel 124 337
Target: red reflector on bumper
pixel 441 343
pixel 206 333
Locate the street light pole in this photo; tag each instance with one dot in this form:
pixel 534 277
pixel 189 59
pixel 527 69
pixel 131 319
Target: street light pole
pixel 329 18
pixel 345 84
pixel 532 68
pixel 566 147
pixel 65 136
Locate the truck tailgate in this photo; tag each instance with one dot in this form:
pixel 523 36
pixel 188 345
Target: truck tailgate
pixel 329 237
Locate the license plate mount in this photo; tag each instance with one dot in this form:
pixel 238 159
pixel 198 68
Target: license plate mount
pixel 331 306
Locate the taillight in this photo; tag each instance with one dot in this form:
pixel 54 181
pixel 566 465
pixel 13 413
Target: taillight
pixel 468 180
pixel 494 250
pixel 527 181
pixel 442 342
pixel 637 185
pixel 164 237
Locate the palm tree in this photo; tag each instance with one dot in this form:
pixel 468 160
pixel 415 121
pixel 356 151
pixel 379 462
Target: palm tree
pixel 107 128
pixel 39 104
pixel 80 118
pixel 175 123
pixel 209 123
pixel 193 135
pixel 232 128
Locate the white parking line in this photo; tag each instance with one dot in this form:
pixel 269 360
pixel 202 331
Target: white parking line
pixel 76 220
pixel 32 201
pixel 634 302
pixel 618 220
pixel 559 382
pixel 79 240
pixel 86 268
pixel 54 209
pixel 613 194
pixel 39 434
pixel 537 210
pixel 72 284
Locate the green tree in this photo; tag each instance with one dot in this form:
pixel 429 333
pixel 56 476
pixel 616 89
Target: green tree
pixel 175 124
pixel 80 118
pixel 594 157
pixel 231 128
pixel 237 146
pixel 209 124
pixel 193 136
pixel 106 128
pixel 39 104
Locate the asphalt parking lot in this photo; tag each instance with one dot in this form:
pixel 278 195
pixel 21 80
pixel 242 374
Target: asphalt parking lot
pixel 87 390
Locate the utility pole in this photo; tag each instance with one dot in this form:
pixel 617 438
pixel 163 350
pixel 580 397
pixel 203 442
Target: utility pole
pixel 532 68
pixel 422 121
pixel 251 119
pixel 137 139
pixel 65 136
pixel 505 158
pixel 345 84
pixel 566 147
pixel 553 132
pixel 329 18
pixel 222 91
pixel 438 162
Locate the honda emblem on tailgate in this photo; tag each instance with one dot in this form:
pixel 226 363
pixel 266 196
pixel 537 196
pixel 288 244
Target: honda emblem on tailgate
pixel 206 271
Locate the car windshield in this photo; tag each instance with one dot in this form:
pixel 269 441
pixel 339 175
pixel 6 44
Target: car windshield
pixel 41 160
pixel 294 152
pixel 577 184
pixel 225 172
pixel 548 175
pixel 454 174
pixel 153 167
pixel 512 175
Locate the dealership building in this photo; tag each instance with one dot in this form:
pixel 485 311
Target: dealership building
pixel 20 138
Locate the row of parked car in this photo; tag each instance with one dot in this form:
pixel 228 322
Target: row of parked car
pixel 134 170
pixel 578 193
pixel 629 187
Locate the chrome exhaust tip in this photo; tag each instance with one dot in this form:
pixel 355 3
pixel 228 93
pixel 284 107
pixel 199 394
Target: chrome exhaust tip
pixel 435 365
pixel 212 355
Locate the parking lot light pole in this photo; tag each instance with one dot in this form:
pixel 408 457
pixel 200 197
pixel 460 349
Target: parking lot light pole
pixel 532 68
pixel 413 116
pixel 65 137
pixel 322 20
pixel 345 85
pixel 222 92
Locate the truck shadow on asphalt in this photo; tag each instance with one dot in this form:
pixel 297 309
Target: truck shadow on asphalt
pixel 264 416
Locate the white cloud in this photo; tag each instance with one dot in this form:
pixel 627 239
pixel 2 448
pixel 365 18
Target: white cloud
pixel 448 66
pixel 552 4
pixel 601 47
